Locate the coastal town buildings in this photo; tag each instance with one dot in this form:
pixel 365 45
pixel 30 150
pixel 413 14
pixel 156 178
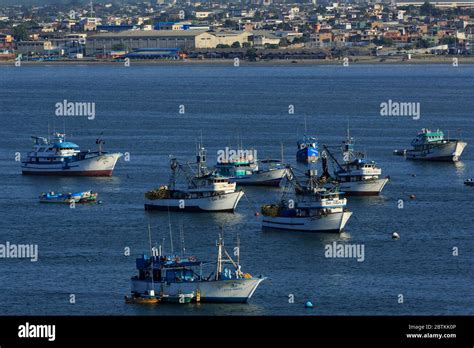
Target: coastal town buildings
pixel 371 28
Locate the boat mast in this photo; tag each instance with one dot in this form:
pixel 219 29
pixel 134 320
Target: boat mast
pixel 201 161
pixel 174 168
pixel 219 257
pixel 281 146
pixel 238 251
pixel 152 293
pixel 181 233
pixel 171 233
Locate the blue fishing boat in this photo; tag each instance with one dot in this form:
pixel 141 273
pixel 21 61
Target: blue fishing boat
pixel 75 197
pixel 307 149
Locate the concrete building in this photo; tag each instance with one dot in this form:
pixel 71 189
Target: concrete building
pixel 261 39
pixel 90 24
pixel 182 39
pixel 202 14
pixel 321 39
pixel 6 42
pixel 40 47
pixel 227 38
pixel 137 39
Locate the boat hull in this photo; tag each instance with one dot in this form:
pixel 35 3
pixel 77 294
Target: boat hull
pixel 371 187
pixel 450 152
pixel 219 291
pixel 226 202
pixel 101 165
pixel 334 222
pixel 264 178
pixel 308 154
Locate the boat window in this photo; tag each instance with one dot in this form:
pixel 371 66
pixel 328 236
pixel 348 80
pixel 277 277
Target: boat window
pixel 179 275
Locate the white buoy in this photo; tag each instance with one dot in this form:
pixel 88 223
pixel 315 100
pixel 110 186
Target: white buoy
pixel 308 304
pixel 395 235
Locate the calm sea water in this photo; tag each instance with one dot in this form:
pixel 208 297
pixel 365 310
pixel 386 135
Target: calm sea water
pixel 81 251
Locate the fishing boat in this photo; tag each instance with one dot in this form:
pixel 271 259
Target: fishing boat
pixel 76 197
pixel 315 209
pixel 469 182
pixel 256 173
pixel 61 157
pixel 203 191
pixel 358 176
pixel 307 149
pixel 178 276
pixel 433 146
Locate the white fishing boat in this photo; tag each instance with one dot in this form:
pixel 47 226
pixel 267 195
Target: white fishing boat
pixel 61 157
pixel 357 176
pixel 248 170
pixel 203 191
pixel 432 146
pixel 175 276
pixel 315 209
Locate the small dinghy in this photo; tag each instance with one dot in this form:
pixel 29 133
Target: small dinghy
pixel 143 299
pixel 469 182
pixel 68 198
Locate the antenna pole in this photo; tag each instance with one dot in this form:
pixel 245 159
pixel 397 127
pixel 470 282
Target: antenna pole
pixel 171 232
pixel 219 257
pixel 281 144
pixel 238 250
pixel 152 256
pixel 183 249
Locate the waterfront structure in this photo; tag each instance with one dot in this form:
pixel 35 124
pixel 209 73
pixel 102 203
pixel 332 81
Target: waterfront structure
pixel 182 39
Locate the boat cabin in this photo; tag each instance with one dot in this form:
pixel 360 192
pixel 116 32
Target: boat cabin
pixel 169 269
pixel 307 142
pixel 427 137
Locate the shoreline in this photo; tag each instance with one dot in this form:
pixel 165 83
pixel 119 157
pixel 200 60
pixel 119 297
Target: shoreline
pixel 356 60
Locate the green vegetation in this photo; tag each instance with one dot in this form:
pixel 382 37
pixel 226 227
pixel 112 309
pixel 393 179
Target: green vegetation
pixel 251 54
pixel 20 32
pixel 429 10
pixel 383 41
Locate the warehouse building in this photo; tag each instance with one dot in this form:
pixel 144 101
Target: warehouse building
pixel 132 40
